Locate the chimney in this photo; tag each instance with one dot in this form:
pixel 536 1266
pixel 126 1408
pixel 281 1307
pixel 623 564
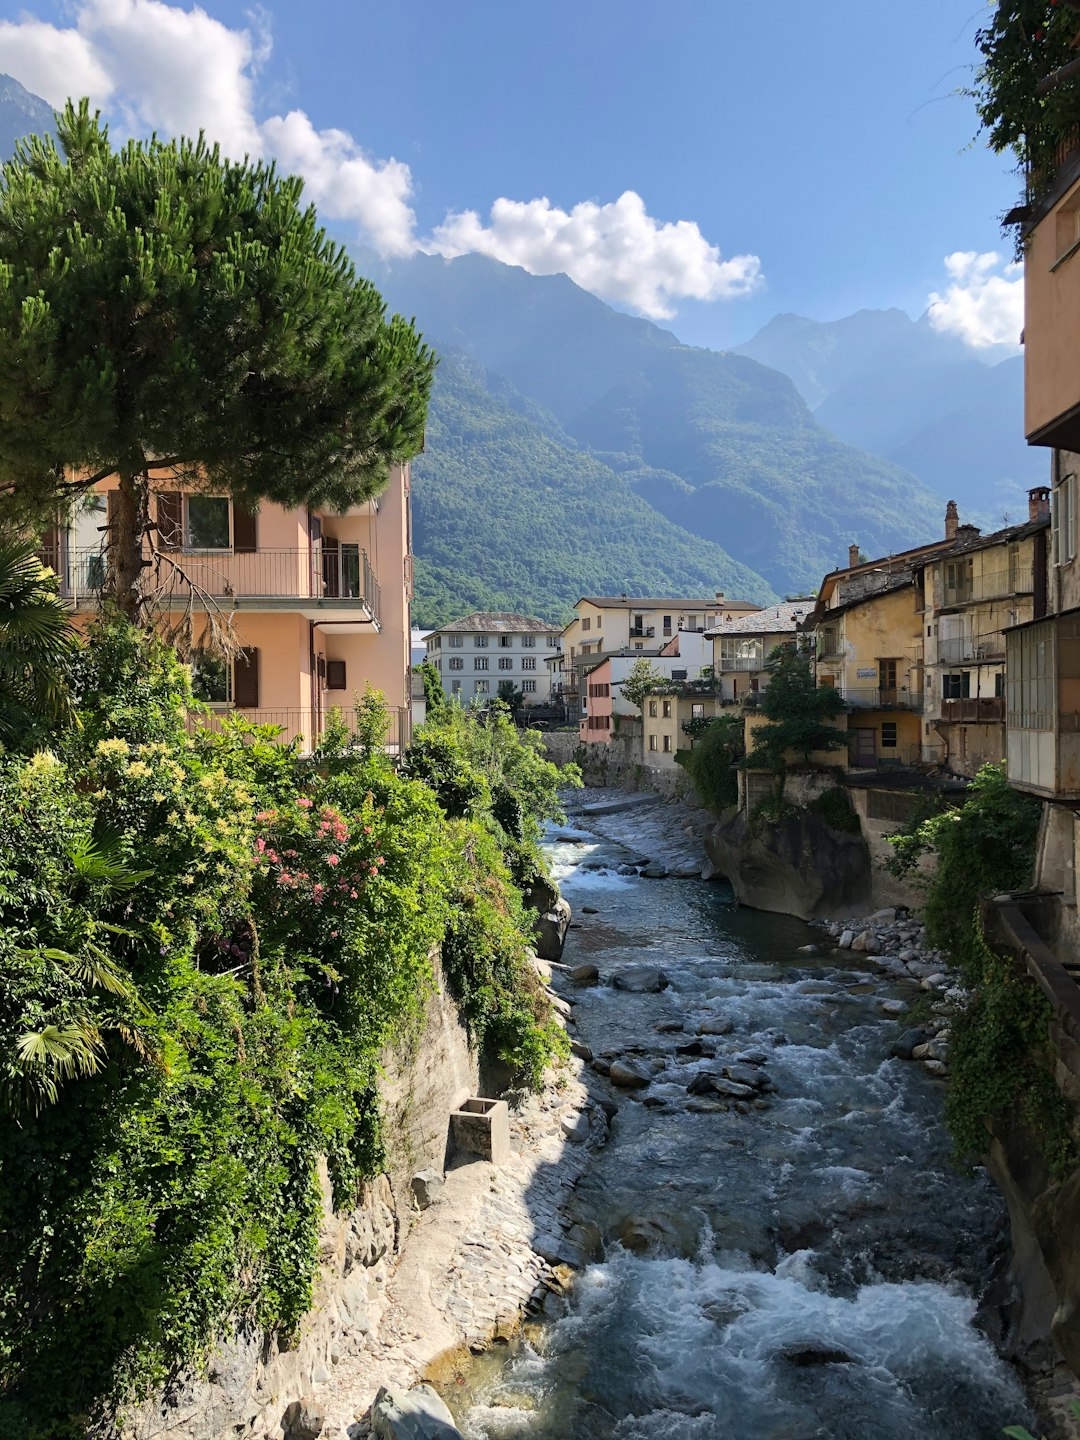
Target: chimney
pixel 967 533
pixel 1039 503
pixel 719 594
pixel 952 520
pixel 853 558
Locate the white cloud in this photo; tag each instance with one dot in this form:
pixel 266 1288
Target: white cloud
pixel 617 250
pixel 178 70
pixel 984 301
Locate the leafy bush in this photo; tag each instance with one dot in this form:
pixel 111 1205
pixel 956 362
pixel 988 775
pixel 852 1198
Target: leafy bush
pixel 835 808
pixel 711 763
pixel 207 942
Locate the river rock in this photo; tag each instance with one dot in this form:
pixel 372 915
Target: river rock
pixel 584 974
pixel 600 1065
pixel 716 1025
pixel 626 870
pixel 892 1007
pixel 936 1067
pixel 859 943
pixel 745 1075
pixel 732 1089
pixel 933 982
pixel 425 1186
pixel 810 949
pixel 542 968
pixel 904 1047
pixel 882 917
pixel 639 979
pixel 655 872
pixel 813 1354
pixel 304 1419
pixel 550 931
pixel 581 1050
pixel 589 910
pixel 710 872
pixel 412 1415
pixel 669 1027
pixel 694 1048
pixel 921 1051
pixel 847 939
pixel 872 946
pixel 629 1074
pixel 576 1127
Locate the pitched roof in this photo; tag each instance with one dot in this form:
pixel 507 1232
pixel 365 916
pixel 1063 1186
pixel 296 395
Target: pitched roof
pixel 965 544
pixel 774 619
pixel 638 602
pixel 489 621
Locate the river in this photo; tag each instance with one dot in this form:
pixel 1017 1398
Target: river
pixel 804 1265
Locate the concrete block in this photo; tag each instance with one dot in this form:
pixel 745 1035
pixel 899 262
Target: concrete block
pixel 482 1127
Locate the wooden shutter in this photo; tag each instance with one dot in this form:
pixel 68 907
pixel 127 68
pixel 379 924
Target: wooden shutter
pixel 331 566
pixel 246 680
pixel 335 674
pixel 243 531
pixel 170 519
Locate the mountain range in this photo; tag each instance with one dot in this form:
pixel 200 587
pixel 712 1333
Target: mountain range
pixel 574 448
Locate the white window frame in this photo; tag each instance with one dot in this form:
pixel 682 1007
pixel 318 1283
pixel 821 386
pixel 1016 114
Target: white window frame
pixel 480 662
pixel 1063 520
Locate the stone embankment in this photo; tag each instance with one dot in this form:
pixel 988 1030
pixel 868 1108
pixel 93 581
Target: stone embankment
pixel 895 940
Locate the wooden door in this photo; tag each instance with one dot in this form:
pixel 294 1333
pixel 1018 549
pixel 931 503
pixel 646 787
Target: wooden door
pixel 865 748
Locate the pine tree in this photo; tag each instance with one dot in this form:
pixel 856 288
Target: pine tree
pixel 163 308
pixel 798 714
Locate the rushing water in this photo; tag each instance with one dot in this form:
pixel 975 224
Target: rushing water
pixel 806 1268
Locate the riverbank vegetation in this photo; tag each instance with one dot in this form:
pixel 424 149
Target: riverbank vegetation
pixel 207 942
pixel 998 1051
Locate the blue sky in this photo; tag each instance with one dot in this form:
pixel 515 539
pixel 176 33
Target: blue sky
pixel 824 144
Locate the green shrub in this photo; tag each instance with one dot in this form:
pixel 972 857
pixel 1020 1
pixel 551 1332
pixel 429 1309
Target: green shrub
pixel 835 808
pixel 711 763
pixel 207 942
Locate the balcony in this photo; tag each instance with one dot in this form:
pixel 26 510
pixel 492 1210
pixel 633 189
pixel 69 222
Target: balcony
pixel 305 727
pixel 752 664
pixel 859 697
pixel 973 649
pixel 981 710
pixel 305 579
pixel 997 585
pixel 645 632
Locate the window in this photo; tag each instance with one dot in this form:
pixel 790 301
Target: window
pixel 586 623
pixel 211 679
pixel 599 692
pixel 528 687
pixel 479 662
pixel 456 641
pixel 480 641
pixel 652 742
pixel 697 710
pixel 553 641
pixel 506 662
pixel 638 645
pixel 652 708
pixel 528 662
pixel 455 685
pixel 481 687
pixel 679 674
pixel 505 642
pixel 667 709
pixel 888 735
pixel 1063 520
pixel 667 743
pixel 457 662
pixel 667 624
pixel 335 674
pixel 956 686
pixel 207 525
pixel 599 621
pixel 999 683
pixel 528 642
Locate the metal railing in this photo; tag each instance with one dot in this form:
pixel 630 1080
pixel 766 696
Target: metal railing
pixel 957 649
pixel 860 697
pixel 978 710
pixel 304 725
pixel 741 663
pixel 645 633
pixel 888 757
pixel 342 577
pixel 1020 580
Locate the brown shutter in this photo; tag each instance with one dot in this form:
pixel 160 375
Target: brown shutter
pixel 170 519
pixel 243 531
pixel 246 680
pixel 331 566
pixel 335 674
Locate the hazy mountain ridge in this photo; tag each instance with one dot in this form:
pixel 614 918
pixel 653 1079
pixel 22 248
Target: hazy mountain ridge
pixel 21 114
pixel 901 389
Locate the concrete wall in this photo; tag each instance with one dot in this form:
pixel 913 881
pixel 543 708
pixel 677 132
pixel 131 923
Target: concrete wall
pixel 250 1381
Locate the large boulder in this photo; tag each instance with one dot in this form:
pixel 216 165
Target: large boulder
pixel 304 1420
pixel 640 979
pixel 550 931
pixel 412 1415
pixel 798 866
pixel 630 1074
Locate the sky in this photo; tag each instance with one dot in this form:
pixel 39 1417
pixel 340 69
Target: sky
pixel 706 163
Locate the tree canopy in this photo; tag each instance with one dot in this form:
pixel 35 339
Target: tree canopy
pixel 642 680
pixel 798 714
pixel 164 308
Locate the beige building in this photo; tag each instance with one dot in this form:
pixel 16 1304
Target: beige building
pixel 668 711
pixel 318 603
pixel 972 594
pixel 741 646
pixel 609 624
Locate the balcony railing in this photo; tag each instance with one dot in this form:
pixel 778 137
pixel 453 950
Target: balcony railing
pixel 859 697
pixel 645 632
pixel 304 726
pixel 979 710
pixel 993 586
pixel 742 663
pixel 341 577
pixel 975 648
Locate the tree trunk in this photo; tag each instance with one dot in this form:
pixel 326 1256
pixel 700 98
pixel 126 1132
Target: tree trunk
pixel 129 526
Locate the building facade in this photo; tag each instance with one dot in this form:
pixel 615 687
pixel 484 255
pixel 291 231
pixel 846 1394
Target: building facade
pixel 481 651
pixel 742 645
pixel 317 604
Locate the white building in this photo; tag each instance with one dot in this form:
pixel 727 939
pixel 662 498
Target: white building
pixel 476 654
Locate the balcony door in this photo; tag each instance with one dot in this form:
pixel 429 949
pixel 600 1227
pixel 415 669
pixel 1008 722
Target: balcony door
pixel 887 681
pixel 865 748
